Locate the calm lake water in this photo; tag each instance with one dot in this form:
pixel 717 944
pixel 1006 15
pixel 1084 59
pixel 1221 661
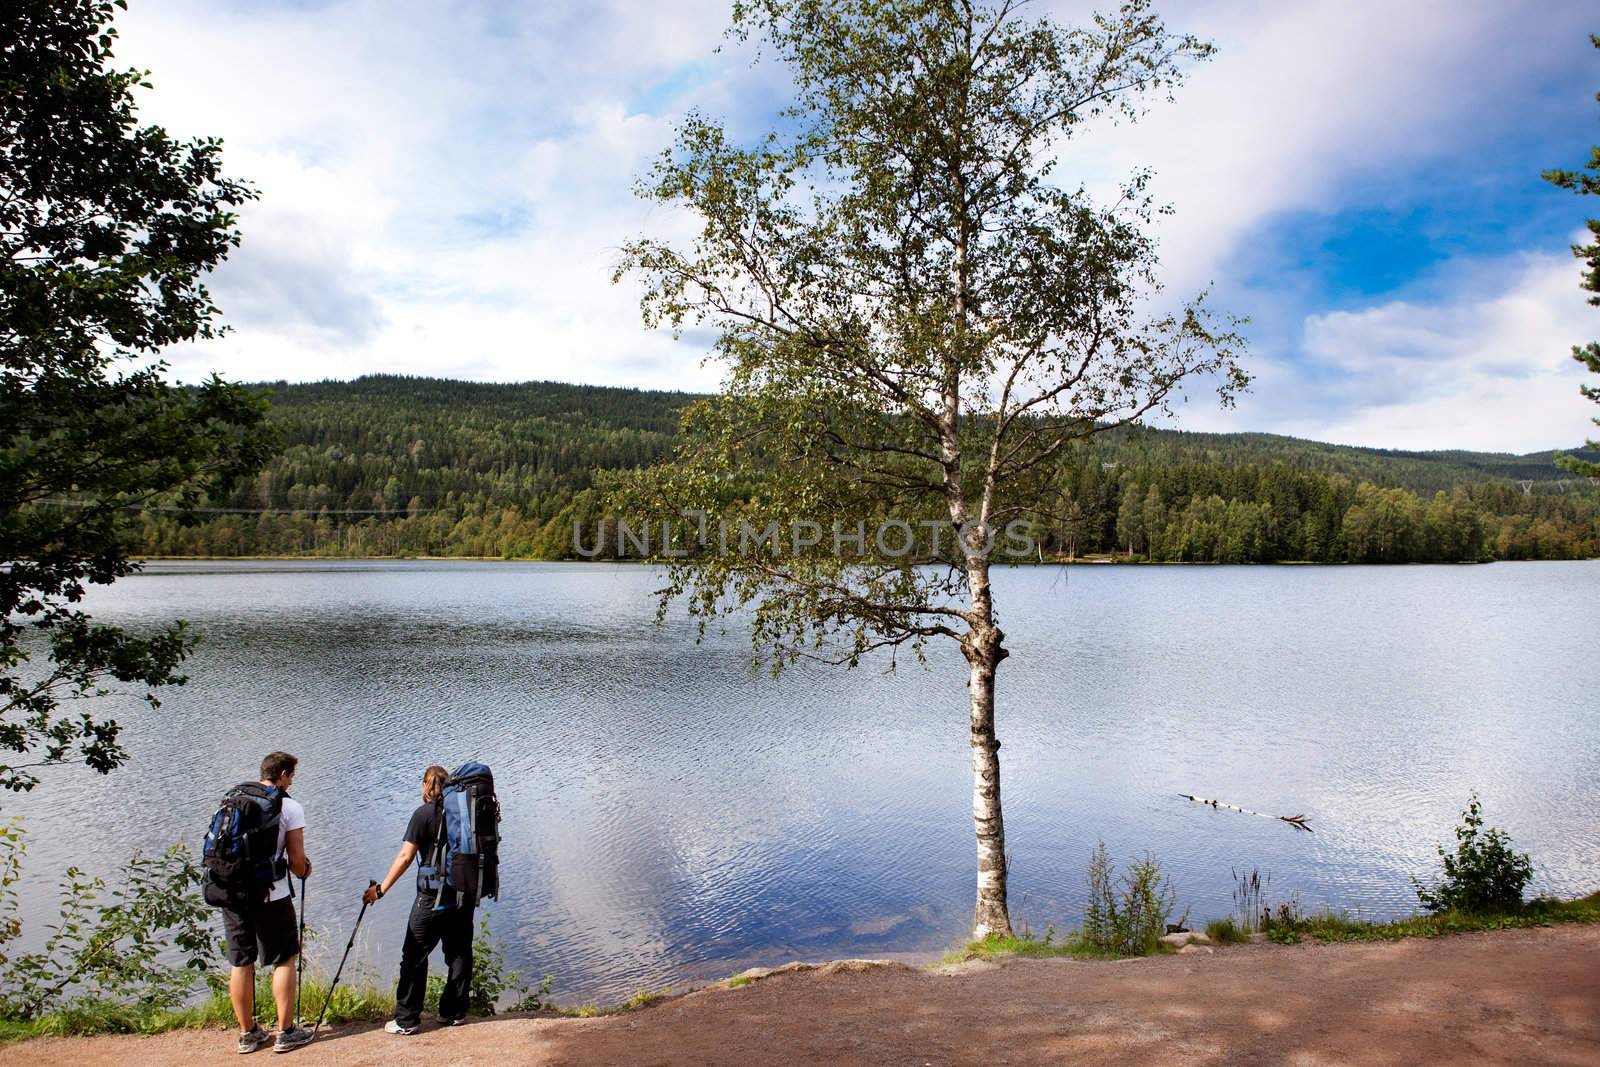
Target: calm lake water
pixel 671 814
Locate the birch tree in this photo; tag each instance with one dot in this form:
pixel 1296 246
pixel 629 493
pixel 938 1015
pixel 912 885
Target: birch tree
pixel 917 321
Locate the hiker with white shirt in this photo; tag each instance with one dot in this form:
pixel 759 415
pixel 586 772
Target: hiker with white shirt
pixel 255 842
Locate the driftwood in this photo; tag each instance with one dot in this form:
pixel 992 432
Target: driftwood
pixel 1299 822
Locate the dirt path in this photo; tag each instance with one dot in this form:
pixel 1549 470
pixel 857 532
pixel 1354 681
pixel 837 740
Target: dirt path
pixel 1511 997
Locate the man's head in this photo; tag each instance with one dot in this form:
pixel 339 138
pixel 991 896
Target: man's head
pixel 278 768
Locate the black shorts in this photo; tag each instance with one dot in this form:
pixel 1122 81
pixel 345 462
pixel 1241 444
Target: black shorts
pixel 265 932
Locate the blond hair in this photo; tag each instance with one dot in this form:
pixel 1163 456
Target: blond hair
pixel 433 780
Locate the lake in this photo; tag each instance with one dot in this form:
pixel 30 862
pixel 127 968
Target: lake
pixel 672 814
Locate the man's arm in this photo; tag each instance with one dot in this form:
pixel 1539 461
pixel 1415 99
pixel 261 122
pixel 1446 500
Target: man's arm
pixel 402 860
pixel 294 844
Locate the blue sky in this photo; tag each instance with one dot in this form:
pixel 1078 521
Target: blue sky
pixel 445 185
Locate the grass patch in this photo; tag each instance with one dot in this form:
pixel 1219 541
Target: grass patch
pixel 1332 927
pixel 1025 945
pixel 739 981
pixel 362 1000
pixel 1227 932
pixel 359 1000
pixel 643 999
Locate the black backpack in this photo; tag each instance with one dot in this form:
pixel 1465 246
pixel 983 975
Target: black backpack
pixel 241 851
pixel 466 856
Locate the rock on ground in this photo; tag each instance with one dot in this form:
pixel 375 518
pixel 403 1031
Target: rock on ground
pixel 1187 937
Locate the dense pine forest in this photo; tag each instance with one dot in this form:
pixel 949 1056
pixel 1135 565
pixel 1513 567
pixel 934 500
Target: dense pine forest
pixel 393 466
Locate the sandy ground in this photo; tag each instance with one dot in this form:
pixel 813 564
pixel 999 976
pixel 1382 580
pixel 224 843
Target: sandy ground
pixel 1510 997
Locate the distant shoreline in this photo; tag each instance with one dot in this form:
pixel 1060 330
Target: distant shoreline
pixel 1090 561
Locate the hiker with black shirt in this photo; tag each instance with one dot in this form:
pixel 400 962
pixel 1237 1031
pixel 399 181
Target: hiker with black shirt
pixel 438 915
pixel 263 930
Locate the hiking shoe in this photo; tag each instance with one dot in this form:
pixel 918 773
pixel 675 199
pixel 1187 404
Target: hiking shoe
pixel 450 1022
pixel 392 1027
pixel 295 1037
pixel 255 1039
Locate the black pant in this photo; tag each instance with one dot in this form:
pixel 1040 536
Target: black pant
pixel 263 933
pixel 425 929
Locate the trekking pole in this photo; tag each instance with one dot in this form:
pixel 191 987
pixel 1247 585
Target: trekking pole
pixel 348 945
pixel 300 969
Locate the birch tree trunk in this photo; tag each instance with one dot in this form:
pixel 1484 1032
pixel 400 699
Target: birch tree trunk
pixel 984 651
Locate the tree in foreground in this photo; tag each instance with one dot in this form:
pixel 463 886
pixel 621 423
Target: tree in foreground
pixel 1483 876
pixel 1589 354
pixel 106 229
pixel 915 319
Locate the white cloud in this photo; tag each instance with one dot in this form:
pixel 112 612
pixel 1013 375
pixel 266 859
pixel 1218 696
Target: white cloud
pixel 1316 107
pixel 1309 106
pixel 444 187
pixel 1491 366
pixel 445 183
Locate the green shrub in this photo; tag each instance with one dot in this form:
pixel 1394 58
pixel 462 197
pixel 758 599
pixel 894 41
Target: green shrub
pixel 535 998
pixel 1100 917
pixel 111 946
pixel 1147 903
pixel 1483 875
pixel 1286 916
pixel 1130 923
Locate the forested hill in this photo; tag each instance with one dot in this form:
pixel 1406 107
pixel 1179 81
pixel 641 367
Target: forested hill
pixel 413 466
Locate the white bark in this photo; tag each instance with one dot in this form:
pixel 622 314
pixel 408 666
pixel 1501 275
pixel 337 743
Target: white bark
pixel 984 652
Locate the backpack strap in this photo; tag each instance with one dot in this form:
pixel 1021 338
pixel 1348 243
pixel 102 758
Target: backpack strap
pixel 434 860
pixel 441 844
pixel 477 845
pixel 280 860
pixel 439 832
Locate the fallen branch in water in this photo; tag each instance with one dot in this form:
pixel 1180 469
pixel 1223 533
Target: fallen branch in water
pixel 1299 822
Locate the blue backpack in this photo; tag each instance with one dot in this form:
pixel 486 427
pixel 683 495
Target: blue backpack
pixel 241 856
pixel 465 860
